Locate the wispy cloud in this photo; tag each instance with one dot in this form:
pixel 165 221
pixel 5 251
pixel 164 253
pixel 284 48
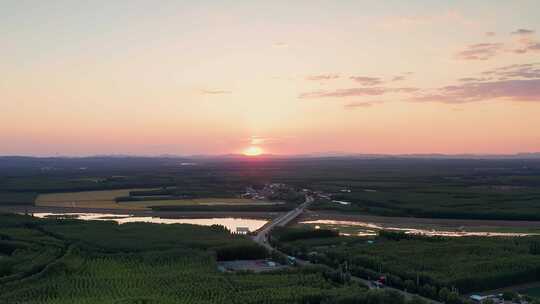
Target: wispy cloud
pixel 374 91
pixel 527 44
pixel 524 43
pixel 517 82
pixel 215 92
pixel 511 90
pixel 404 90
pixel 367 81
pixel 355 92
pixel 480 51
pixel 355 105
pixel 522 32
pixel 473 79
pixel 515 71
pixel 322 77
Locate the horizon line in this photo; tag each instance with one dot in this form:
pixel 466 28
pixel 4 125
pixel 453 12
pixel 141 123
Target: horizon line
pixel 306 155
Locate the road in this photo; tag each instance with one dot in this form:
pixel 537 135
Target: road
pixel 262 238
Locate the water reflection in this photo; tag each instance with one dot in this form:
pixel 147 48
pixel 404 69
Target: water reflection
pixel 231 223
pixel 372 228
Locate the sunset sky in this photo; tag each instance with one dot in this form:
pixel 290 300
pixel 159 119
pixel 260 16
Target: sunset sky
pixel 288 77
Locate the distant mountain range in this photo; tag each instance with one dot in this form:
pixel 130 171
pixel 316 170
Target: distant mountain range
pixel 535 155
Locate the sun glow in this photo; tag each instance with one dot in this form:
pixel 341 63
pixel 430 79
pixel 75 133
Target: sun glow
pixel 252 151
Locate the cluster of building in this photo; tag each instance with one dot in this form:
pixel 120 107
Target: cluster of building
pixel 277 191
pixel 270 191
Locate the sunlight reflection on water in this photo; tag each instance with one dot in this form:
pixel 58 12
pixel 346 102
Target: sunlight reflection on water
pixel 426 232
pixel 231 223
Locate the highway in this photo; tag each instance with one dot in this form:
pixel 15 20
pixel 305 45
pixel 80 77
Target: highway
pixel 262 238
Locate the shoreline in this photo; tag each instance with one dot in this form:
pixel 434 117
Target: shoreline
pixel 151 213
pixel 407 222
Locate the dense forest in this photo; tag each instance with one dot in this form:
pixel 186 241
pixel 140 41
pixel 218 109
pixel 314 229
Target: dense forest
pixel 72 261
pixel 426 265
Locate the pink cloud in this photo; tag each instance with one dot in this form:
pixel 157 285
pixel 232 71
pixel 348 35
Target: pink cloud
pixel 354 105
pixel 370 91
pixel 322 77
pixel 522 32
pixel 527 45
pixel 512 90
pixel 367 81
pixel 515 71
pixel 480 51
pixel 345 92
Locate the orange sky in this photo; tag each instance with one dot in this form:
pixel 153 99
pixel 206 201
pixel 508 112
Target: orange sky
pixel 200 77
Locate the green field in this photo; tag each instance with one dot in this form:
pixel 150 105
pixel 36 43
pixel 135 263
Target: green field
pixel 86 199
pixel 108 199
pixel 196 201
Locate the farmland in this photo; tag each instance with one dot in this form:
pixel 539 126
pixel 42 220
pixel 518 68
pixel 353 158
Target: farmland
pixel 494 189
pixel 85 199
pixel 107 199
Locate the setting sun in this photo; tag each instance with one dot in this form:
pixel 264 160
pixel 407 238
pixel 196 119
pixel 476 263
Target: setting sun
pixel 252 151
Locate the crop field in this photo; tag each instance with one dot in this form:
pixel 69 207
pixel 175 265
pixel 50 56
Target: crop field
pixel 196 201
pixel 86 199
pixel 70 261
pixel 107 199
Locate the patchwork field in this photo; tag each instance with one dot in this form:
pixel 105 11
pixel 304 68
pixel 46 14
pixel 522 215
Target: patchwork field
pixel 197 201
pixel 107 200
pixel 86 199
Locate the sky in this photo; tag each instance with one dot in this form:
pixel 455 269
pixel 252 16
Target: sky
pixel 282 77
